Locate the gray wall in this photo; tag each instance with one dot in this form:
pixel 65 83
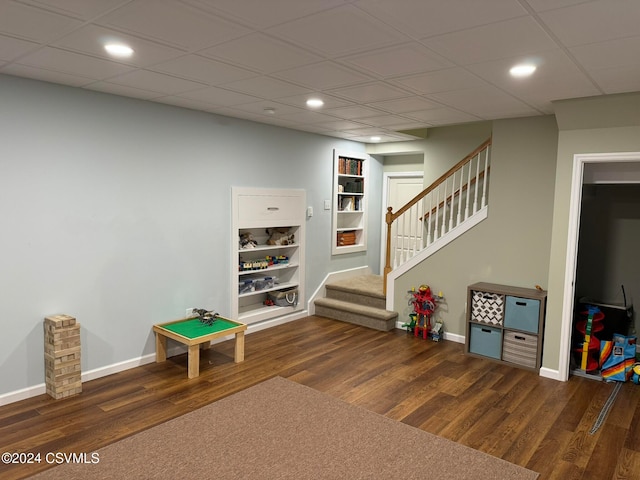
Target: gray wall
pixel 511 246
pixel 117 211
pixel 403 163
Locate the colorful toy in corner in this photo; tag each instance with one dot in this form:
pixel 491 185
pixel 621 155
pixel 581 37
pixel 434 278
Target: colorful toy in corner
pixel 635 373
pixel 424 304
pixel 591 346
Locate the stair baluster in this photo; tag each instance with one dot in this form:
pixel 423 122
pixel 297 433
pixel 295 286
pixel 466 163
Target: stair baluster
pixel 412 229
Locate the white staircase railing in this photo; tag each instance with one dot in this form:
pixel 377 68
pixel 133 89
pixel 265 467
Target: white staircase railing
pixel 447 203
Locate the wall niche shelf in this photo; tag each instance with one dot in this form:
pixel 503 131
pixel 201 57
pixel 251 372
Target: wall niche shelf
pixel 349 219
pixel 264 269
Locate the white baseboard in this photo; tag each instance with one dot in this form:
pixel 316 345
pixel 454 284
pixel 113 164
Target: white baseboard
pixel 40 389
pixel 452 337
pixel 22 394
pixel 552 374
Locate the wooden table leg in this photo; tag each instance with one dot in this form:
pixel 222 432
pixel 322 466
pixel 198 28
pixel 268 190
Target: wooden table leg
pixel 161 348
pixel 239 350
pixel 194 361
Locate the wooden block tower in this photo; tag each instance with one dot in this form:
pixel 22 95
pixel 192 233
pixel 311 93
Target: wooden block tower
pixel 62 356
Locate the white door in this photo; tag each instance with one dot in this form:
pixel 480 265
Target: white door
pixel 399 189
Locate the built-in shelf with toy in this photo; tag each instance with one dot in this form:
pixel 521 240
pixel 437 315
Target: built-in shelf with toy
pixel 349 222
pixel 268 237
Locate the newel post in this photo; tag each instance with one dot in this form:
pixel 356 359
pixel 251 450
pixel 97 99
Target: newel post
pixel 387 263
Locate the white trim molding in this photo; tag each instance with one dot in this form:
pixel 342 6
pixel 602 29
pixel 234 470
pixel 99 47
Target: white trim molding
pixel 575 204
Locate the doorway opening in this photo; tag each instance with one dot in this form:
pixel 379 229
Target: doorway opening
pixel 590 168
pixel 398 189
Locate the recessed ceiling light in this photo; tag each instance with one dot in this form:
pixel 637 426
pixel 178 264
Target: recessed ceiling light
pixel 522 70
pixel 269 111
pixel 314 103
pixel 375 139
pixel 118 50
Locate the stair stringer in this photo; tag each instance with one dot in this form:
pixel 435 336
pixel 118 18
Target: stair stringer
pixel 441 242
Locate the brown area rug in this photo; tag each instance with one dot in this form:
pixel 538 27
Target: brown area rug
pixel 279 429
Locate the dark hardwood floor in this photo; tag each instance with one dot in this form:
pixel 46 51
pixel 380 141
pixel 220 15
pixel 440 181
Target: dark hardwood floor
pixel 507 412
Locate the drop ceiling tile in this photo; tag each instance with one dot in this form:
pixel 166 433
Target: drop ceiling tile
pixel 156 82
pixel 172 23
pixel 337 125
pixel 370 93
pixel 443 116
pixel 621 79
pixel 122 90
pixel 204 70
pixel 73 63
pixel 32 23
pixel 398 60
pixel 219 96
pixel 261 14
pixel 613 53
pixel 385 120
pixel 84 9
pixel 484 102
pixel 339 31
pixel 11 48
pixel 410 125
pixel 592 22
pixel 556 77
pixel 46 75
pixel 260 107
pixel 542 5
pixel 404 105
pixel 511 38
pixel 266 87
pixel 441 81
pixel 354 112
pixel 426 18
pixel 306 117
pixel 91 40
pixel 366 131
pixel 262 53
pixel 323 76
pixel 301 100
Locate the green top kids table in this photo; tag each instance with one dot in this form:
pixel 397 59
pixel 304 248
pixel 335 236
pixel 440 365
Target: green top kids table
pixel 195 334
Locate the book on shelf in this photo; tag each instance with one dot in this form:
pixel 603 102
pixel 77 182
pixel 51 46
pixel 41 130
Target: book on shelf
pixel 347 204
pixel 355 186
pixel 349 166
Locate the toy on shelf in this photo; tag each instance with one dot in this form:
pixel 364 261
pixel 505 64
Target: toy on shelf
pixel 424 303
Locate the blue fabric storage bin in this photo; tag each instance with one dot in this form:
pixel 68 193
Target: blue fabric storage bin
pixel 522 314
pixel 485 341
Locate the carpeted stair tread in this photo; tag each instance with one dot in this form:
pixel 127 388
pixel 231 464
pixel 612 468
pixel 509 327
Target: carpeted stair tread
pixel 368 285
pixel 358 300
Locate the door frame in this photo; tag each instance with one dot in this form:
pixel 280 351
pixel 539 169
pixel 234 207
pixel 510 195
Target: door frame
pixel 575 206
pixel 386 180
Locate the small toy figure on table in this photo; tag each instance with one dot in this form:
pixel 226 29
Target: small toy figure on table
pixel 206 317
pixel 424 304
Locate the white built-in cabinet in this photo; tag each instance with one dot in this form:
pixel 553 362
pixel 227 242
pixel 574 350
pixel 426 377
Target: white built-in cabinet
pixel 349 222
pixel 262 271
